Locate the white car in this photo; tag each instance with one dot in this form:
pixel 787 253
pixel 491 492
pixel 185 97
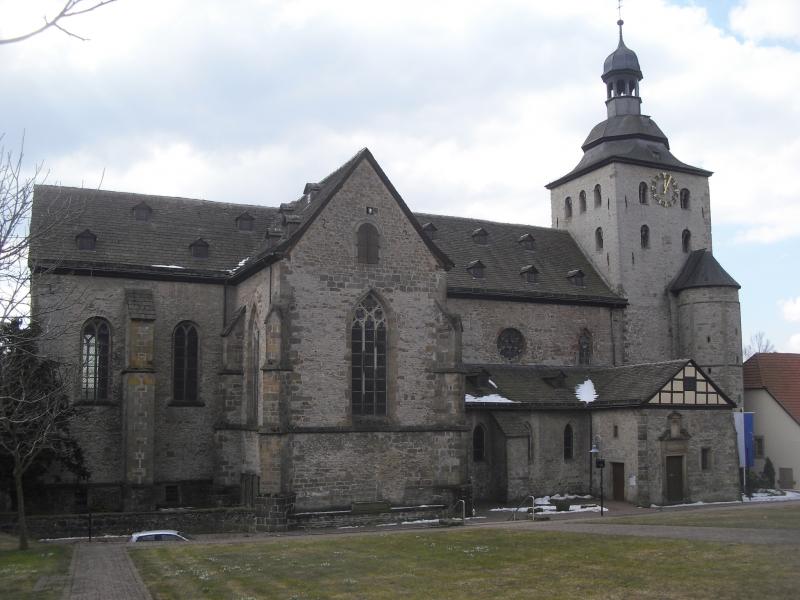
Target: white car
pixel 160 535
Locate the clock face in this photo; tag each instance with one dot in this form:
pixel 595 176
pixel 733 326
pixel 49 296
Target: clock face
pixel 664 189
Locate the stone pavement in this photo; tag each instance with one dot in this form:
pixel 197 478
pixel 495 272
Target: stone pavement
pixel 103 571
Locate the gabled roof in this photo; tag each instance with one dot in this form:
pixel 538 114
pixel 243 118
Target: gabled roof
pixel 779 374
pixel 553 387
pixel 556 254
pixel 701 269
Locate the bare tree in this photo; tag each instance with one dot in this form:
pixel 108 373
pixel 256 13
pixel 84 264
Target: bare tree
pixel 758 343
pixel 35 411
pixel 70 9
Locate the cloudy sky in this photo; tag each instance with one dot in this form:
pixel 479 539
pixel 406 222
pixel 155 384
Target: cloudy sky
pixel 470 107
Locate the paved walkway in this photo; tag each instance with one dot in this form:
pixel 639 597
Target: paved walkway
pixel 103 571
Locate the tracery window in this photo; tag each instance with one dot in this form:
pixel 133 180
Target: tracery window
pixel 645 235
pixel 510 343
pixel 368 365
pixel 598 196
pixel 479 444
pixel 95 360
pixel 184 363
pixel 568 442
pixel 642 193
pixel 585 348
pixel 368 239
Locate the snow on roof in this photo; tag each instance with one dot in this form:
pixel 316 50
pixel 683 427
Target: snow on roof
pixel 487 398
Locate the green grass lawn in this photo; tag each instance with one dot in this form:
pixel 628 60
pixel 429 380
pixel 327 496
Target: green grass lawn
pixel 477 563
pixel 39 572
pixel 776 516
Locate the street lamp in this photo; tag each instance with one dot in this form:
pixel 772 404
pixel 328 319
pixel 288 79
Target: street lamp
pixel 600 463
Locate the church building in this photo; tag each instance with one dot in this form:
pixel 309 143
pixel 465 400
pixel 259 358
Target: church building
pixel 340 349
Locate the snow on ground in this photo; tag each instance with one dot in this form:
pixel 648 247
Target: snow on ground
pixel 487 398
pixel 168 266
pixel 762 496
pixel 544 504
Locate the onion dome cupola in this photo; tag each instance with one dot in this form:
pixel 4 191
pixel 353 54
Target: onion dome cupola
pixel 621 74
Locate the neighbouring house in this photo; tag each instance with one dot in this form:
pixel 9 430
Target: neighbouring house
pixel 772 393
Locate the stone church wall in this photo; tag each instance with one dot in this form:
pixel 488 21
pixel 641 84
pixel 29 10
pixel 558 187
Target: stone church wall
pixel 620 448
pixel 551 331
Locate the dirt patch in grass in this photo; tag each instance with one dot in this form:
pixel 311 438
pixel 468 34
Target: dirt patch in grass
pixel 40 572
pixel 479 563
pixel 767 517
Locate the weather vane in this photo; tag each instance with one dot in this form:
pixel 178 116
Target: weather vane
pixel 619 9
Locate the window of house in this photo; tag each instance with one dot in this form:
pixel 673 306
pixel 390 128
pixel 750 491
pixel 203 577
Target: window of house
pixel 705 459
pixel 585 348
pixel 689 384
pixel 480 236
pixel 245 222
pixel 430 230
pixel 95 360
pixel 479 444
pixel 184 363
pixel 616 431
pixel 510 343
pixel 86 240
pixel 576 278
pixel 199 248
pixel 142 212
pixel 685 199
pixel 598 196
pixel 568 440
pixel 368 364
pixel 644 234
pixel 598 238
pixel 528 242
pixel 642 193
pixel 529 440
pixel 368 240
pixel 758 446
pixel 686 240
pixel 529 274
pixel 477 269
pixel 255 375
pixel 568 208
pixel 171 495
pixel 582 201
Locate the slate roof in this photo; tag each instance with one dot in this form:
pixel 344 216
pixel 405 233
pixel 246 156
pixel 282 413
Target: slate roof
pixel 556 254
pixel 156 245
pixel 779 374
pixel 548 387
pixel 701 269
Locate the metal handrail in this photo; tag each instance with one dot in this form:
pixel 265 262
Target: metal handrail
pixel 523 501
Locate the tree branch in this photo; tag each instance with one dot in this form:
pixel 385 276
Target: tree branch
pixel 70 9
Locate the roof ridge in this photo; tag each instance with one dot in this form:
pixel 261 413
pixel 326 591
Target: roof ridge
pixel 477 219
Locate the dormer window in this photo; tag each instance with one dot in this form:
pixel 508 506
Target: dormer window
pixel 291 222
pixel 643 193
pixel 311 188
pixel 576 278
pixel 245 222
pixel 477 269
pixel 142 212
pixel 529 274
pixel 199 248
pixel 430 230
pixel 582 201
pixel 568 208
pixel 528 242
pixel 480 236
pixel 86 240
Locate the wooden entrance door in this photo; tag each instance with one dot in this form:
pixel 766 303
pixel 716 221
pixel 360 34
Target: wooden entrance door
pixel 618 481
pixel 674 478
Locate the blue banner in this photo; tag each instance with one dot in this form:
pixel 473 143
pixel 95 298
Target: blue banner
pixel 749 453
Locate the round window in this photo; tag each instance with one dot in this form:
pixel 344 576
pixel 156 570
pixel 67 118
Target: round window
pixel 510 344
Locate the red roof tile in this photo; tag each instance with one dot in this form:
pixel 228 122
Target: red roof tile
pixel 779 373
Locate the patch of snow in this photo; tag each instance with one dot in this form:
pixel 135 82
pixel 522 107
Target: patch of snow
pixel 493 384
pixel 387 524
pixel 549 508
pixel 168 266
pixel 763 496
pixel 489 398
pixel 420 521
pixel 349 527
pixel 585 392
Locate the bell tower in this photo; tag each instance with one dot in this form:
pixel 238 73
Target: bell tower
pixel 639 213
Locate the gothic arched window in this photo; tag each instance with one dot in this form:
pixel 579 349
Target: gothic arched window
pixel 582 201
pixel 95 360
pixel 598 196
pixel 184 363
pixel 568 439
pixel 479 444
pixel 368 239
pixel 643 193
pixel 585 348
pixel 568 208
pixel 685 199
pixel 645 235
pixel 686 240
pixel 598 238
pixel 368 364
